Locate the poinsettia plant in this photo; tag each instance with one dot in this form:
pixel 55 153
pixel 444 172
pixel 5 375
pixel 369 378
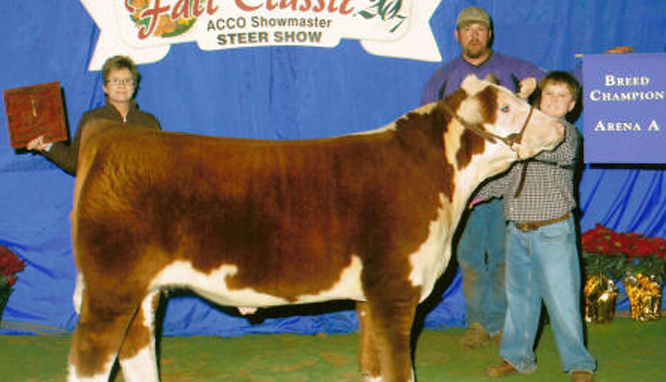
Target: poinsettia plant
pixel 648 256
pixel 604 252
pixel 10 265
pixel 614 254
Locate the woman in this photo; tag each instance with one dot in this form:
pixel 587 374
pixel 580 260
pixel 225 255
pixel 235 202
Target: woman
pixel 121 79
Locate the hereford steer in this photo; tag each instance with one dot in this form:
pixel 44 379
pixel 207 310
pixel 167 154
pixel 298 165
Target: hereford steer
pixel 254 223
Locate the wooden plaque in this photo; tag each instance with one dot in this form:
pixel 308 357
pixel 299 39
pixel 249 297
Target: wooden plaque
pixel 33 111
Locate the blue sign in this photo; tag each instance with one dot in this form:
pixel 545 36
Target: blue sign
pixel 624 108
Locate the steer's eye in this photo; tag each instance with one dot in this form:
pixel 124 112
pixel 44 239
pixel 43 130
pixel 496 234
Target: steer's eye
pixel 505 109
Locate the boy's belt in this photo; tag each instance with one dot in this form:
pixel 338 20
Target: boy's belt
pixel 531 226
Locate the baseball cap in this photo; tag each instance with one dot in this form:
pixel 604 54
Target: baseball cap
pixel 471 15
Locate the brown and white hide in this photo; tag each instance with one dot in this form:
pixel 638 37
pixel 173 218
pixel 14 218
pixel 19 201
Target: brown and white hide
pixel 367 217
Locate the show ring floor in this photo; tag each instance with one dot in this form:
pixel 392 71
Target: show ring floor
pixel 626 351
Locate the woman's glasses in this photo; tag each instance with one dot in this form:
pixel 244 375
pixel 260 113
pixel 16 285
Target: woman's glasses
pixel 120 81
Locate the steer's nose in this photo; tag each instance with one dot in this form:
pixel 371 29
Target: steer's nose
pixel 544 134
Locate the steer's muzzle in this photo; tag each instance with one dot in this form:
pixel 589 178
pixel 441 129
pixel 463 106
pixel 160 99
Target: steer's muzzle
pixel 542 134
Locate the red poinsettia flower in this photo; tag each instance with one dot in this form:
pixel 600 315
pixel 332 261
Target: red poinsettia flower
pixel 641 247
pixel 10 265
pixel 603 241
pixel 612 253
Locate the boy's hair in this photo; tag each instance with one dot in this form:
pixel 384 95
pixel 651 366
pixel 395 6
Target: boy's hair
pixel 120 62
pixel 560 77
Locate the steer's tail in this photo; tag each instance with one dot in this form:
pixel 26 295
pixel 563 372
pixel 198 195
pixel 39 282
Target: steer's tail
pixel 78 293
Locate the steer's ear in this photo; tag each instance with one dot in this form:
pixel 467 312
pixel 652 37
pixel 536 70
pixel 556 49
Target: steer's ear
pixel 471 77
pixel 492 79
pixel 472 84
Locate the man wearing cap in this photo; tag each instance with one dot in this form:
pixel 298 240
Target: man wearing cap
pixel 480 250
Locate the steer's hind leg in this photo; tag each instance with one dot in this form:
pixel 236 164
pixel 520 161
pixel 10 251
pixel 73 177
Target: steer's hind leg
pixel 137 354
pixel 97 339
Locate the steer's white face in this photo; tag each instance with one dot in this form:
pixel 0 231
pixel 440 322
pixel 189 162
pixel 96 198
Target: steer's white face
pixel 501 114
pixel 511 116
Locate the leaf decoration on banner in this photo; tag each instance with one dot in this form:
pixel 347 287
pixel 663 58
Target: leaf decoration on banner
pixel 167 26
pixel 386 10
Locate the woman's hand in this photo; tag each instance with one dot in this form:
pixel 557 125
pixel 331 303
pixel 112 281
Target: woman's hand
pixel 38 144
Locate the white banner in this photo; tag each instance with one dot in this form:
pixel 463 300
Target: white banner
pixel 145 29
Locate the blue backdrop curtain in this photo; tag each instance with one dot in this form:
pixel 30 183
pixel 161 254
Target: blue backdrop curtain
pixel 282 93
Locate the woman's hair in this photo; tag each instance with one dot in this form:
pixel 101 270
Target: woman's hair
pixel 120 62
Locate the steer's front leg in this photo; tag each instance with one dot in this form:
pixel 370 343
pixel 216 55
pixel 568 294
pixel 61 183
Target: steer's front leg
pixel 391 322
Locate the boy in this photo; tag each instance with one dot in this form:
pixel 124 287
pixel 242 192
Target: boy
pixel 541 253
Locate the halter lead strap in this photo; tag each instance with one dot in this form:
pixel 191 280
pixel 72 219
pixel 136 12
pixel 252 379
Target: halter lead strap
pixel 509 140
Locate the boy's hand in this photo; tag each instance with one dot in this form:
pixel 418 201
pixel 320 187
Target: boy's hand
pixel 527 87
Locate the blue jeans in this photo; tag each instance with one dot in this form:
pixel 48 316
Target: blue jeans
pixel 480 254
pixel 544 264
